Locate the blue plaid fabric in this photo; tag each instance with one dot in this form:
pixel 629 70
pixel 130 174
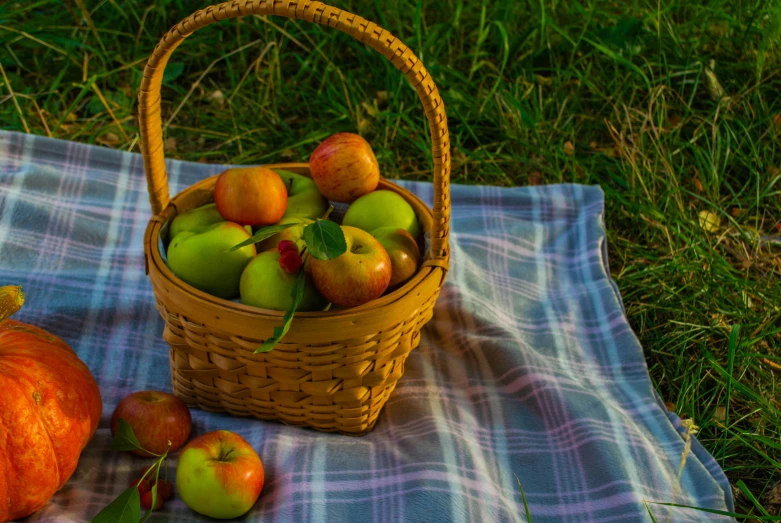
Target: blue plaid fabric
pixel 529 371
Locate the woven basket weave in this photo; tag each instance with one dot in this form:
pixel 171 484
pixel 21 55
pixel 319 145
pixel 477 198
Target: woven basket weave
pixel 334 370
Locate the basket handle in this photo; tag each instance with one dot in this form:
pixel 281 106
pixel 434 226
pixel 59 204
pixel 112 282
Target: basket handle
pixel 150 123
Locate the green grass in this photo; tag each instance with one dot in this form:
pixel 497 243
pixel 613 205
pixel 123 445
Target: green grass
pixel 620 94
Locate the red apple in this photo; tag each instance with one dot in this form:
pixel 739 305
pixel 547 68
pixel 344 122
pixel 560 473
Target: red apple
pixel 219 475
pixel 359 275
pixel 250 196
pixel 344 167
pixel 403 252
pixel 156 418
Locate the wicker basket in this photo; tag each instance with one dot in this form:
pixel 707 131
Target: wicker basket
pixel 333 371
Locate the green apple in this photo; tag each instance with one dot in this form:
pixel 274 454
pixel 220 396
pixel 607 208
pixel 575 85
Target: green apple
pixel 403 251
pixel 359 275
pixel 201 258
pixel 219 475
pixel 194 219
pixel 382 209
pixel 197 218
pixel 303 197
pixel 294 234
pixel 266 285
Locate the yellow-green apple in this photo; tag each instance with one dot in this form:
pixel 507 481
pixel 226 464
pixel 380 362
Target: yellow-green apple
pixel 219 475
pixel 303 197
pixel 344 167
pixel 403 251
pixel 382 209
pixel 202 258
pixel 358 276
pixel 195 219
pixel 265 284
pixel 294 234
pixel 156 418
pixel 250 196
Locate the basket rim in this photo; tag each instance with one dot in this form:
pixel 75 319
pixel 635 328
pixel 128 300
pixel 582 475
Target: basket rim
pixel 153 258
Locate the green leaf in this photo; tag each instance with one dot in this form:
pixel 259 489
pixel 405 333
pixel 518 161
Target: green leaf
pixel 525 503
pixel 125 509
pixel 125 439
pixel 172 71
pixel 325 239
pixel 733 346
pixel 262 234
pixel 297 294
pixel 770 34
pixel 719 512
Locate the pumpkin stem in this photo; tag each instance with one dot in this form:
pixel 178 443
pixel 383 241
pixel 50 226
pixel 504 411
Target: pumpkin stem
pixel 11 300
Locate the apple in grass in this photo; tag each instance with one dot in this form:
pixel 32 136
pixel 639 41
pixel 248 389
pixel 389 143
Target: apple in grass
pixel 382 209
pixel 250 196
pixel 156 418
pixel 219 475
pixel 403 251
pixel 202 258
pixel 266 284
pixel 344 167
pixel 358 276
pixel 303 197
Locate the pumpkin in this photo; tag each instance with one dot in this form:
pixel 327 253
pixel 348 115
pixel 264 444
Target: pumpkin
pixel 49 409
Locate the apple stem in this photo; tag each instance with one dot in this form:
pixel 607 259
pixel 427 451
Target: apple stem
pixel 224 457
pixel 328 212
pixel 355 248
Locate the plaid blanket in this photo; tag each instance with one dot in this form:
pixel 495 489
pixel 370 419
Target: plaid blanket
pixel 528 374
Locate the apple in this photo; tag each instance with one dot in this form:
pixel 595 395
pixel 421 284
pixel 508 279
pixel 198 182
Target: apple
pixel 197 218
pixel 382 209
pixel 250 196
pixel 156 418
pixel 294 234
pixel 403 251
pixel 303 197
pixel 344 167
pixel 201 258
pixel 194 219
pixel 359 275
pixel 219 475
pixel 265 284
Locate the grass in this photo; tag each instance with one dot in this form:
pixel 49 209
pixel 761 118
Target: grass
pixel 673 108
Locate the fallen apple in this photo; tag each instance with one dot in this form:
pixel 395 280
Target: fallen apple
pixel 344 167
pixel 250 196
pixel 358 276
pixel 403 251
pixel 219 475
pixel 265 284
pixel 195 219
pixel 156 418
pixel 201 258
pixel 303 197
pixel 382 209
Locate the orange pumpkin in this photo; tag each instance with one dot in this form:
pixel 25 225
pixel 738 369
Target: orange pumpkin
pixel 49 409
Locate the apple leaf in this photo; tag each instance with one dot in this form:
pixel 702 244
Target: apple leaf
pixel 297 294
pixel 325 239
pixel 125 438
pixel 125 509
pixel 262 234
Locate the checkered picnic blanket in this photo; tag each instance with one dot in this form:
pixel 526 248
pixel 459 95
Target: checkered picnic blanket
pixel 529 371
